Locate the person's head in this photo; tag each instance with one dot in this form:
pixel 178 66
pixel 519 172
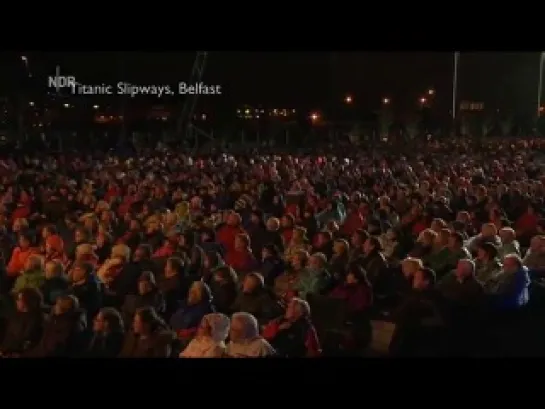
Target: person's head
pixel 297 308
pixel 28 300
pixel 26 239
pixel 54 245
pixel 371 245
pixel 489 230
pixel 455 241
pixel 81 272
pixel 323 238
pixel 107 321
pixel 340 246
pixel 146 283
pixel 299 235
pixel 410 266
pixel 512 263
pixel 465 269
pixel 225 275
pixel 48 230
pixel 507 235
pixel 142 252
pixel 252 282
pixel 299 259
pixel 215 326
pixel 256 217
pixel 242 242
pixel 34 262
pixel 244 327
pixel 427 237
pixel 198 292
pixel 146 321
pixel 486 252
pixel 19 225
pixel 53 269
pixel 438 224
pixel 121 251
pixel 423 279
pixel 537 244
pixel 317 262
pixel 174 266
pixel 84 251
pixel 81 235
pixel 287 221
pixel 442 238
pixel 269 251
pixel 65 304
pixel 273 224
pixel 358 238
pixel 233 219
pixel 356 275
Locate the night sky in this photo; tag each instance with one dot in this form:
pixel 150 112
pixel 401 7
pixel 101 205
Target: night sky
pixel 311 79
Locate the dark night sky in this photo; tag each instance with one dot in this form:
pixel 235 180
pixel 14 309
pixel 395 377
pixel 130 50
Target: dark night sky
pixel 502 80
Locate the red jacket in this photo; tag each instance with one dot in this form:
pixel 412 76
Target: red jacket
pixel 353 222
pixel 312 344
pixel 226 236
pixel 358 296
pixel 241 261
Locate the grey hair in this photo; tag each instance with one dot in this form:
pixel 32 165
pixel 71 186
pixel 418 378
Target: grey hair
pixel 469 262
pixel 219 326
pixel 303 306
pixel 249 322
pixel 514 256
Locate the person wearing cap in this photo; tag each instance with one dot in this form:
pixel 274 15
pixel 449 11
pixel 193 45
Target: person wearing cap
pixel 487 264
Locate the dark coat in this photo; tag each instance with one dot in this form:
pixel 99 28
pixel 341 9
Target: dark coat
pixel 224 296
pixel 132 303
pixel 158 345
pixel 54 287
pixel 64 336
pixel 259 303
pixel 105 345
pixel 89 295
pixel 23 332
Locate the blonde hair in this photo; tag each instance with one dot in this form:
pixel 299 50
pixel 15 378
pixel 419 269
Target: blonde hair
pixel 121 251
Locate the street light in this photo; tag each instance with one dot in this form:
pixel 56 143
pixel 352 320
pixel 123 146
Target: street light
pixel 386 101
pixel 67 105
pixel 95 106
pixel 31 103
pixel 348 99
pixel 314 117
pixel 431 91
pixel 423 100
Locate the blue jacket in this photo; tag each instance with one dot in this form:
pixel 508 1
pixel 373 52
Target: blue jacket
pixel 190 316
pixel 510 291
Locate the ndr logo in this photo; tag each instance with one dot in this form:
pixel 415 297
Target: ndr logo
pixel 61 81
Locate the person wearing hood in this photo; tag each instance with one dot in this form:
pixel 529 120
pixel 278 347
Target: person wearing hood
pixel 244 338
pixel 148 296
pixel 256 300
pixel 487 264
pixel 186 319
pixel 64 333
pixel 509 288
pixel 149 337
pixel 108 335
pixel 25 326
pixel 209 342
pixel 33 275
pixel 56 283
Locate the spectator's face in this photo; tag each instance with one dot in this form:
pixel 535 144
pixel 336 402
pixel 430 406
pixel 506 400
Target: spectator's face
pixel 79 237
pixel 99 324
pixel 355 240
pixel 45 233
pixel 265 253
pixel 351 279
pixel 50 270
pixel 237 330
pixel 204 329
pixel 23 242
pixel 463 270
pixel 232 220
pixel 510 265
pixel 419 282
pixel 134 225
pixel 195 295
pixel 285 222
pixel 78 274
pixel 249 285
pixel 315 263
pixel 139 254
pixel 144 287
pixel 338 248
pixel 482 254
pixel 254 219
pixel 292 312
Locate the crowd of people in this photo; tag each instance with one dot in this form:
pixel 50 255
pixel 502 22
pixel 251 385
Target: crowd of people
pixel 165 254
